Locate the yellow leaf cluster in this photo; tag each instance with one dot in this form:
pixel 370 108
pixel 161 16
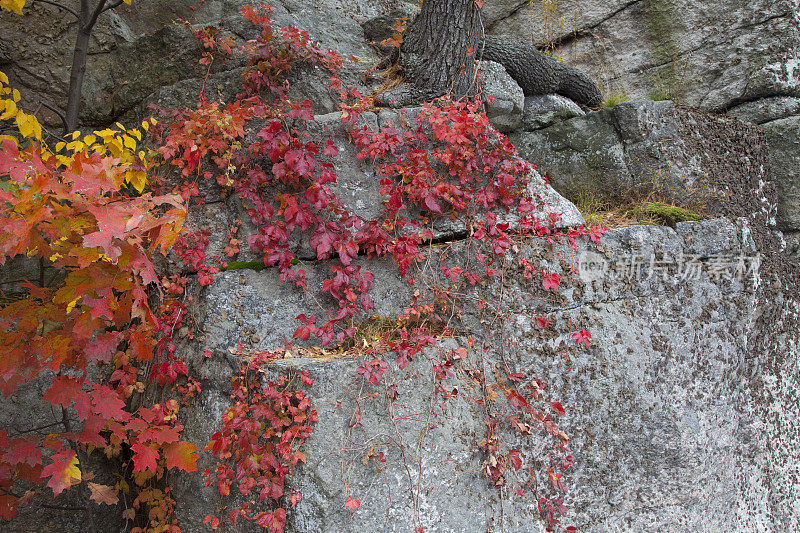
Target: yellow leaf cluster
pixel 12 5
pixel 27 124
pixel 118 143
pixel 115 142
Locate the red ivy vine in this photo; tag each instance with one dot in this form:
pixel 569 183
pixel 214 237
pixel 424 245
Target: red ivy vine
pixel 99 341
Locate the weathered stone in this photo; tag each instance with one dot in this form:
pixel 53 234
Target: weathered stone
pixel 711 55
pixel 645 149
pixel 502 95
pixel 657 403
pixel 683 413
pixel 547 109
pixel 766 109
pixel 793 243
pixel 784 150
pixel 259 301
pixel 165 54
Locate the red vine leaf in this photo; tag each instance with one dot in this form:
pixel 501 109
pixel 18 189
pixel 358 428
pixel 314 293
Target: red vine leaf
pixel 63 471
pixel 352 503
pixel 145 459
pixel 182 455
pixel 550 283
pixel 557 407
pixel 582 336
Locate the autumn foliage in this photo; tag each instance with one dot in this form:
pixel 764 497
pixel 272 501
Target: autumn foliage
pixel 77 212
pixel 93 213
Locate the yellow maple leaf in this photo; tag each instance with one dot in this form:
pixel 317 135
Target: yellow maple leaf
pixel 12 5
pixel 138 179
pixel 9 109
pixel 114 146
pixel 28 125
pixel 73 303
pixel 130 142
pixel 76 146
pixel 63 471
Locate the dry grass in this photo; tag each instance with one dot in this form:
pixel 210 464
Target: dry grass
pixel 645 212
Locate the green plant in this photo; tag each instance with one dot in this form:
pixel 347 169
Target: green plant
pixel 658 94
pixel 662 214
pixel 613 99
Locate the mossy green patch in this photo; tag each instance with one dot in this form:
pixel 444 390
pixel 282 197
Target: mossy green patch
pixel 613 99
pixel 244 265
pixel 661 28
pixel 662 213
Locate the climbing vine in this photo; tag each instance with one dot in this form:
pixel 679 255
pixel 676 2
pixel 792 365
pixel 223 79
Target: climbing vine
pixel 80 214
pixel 97 207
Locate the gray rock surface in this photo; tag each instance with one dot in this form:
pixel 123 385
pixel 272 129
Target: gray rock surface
pixel 37 60
pixel 711 55
pixel 502 96
pixel 645 149
pixel 546 109
pixel 723 56
pixel 766 110
pixel 682 413
pixel 784 145
pixel 793 242
pixel 665 427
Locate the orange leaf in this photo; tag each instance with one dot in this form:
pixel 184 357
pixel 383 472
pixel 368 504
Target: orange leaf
pixel 181 455
pixel 103 494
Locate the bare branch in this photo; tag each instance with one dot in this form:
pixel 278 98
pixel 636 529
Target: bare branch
pixel 101 7
pixel 56 111
pixel 60 6
pixel 112 6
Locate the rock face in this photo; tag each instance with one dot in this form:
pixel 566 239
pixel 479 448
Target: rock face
pixel 645 149
pixel 694 337
pixel 665 427
pixel 504 98
pixel 784 141
pixel 779 117
pixel 711 55
pixel 724 56
pixel 547 109
pixel 37 60
pixel 682 411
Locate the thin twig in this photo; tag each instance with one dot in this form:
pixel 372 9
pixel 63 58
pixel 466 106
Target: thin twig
pixel 60 6
pixel 57 111
pixel 32 430
pixel 112 6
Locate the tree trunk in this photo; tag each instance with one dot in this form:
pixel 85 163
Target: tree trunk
pixel 76 77
pixel 440 47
